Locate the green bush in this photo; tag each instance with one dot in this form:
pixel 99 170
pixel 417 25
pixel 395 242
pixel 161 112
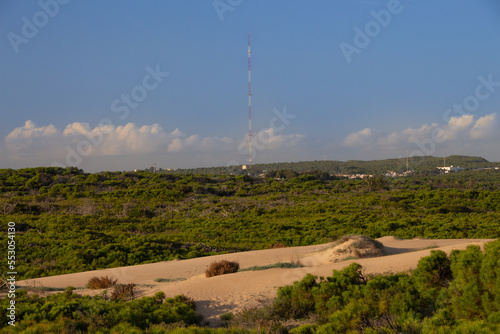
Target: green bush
pixel 432 274
pixel 296 301
pixel 68 312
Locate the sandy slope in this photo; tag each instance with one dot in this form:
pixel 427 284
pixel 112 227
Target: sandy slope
pixel 233 292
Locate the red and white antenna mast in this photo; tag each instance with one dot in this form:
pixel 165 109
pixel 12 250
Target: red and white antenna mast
pixel 249 103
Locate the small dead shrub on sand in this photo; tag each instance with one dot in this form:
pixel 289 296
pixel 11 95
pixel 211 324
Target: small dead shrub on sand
pixel 102 282
pixel 34 286
pixel 123 291
pixel 222 267
pixel 3 283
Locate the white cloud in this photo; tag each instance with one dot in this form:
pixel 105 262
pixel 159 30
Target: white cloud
pixel 485 127
pixel 458 135
pixel 29 134
pixel 31 131
pixel 128 139
pixel 463 127
pixel 110 140
pixel 360 138
pixel 269 139
pixel 76 128
pixel 411 134
pixel 270 145
pixel 193 143
pixel 456 127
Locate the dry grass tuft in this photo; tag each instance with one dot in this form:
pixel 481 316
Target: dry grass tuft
pixel 102 282
pixel 221 268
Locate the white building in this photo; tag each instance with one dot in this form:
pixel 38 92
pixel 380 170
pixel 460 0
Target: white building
pixel 450 169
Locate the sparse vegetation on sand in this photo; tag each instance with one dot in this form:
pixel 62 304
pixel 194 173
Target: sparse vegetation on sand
pixel 167 280
pixel 221 267
pixel 281 265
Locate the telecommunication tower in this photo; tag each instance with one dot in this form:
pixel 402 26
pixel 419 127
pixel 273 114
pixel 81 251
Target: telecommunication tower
pixel 249 105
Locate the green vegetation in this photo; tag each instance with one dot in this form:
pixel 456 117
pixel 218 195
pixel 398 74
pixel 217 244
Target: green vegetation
pixel 70 221
pixel 71 313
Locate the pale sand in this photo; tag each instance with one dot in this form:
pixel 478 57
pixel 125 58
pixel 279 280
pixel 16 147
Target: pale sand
pixel 233 292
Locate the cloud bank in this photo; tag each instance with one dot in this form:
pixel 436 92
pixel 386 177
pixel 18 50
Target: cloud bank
pixel 79 142
pixel 130 146
pixel 459 133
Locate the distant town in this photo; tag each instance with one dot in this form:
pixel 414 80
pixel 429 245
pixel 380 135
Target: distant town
pixel 355 169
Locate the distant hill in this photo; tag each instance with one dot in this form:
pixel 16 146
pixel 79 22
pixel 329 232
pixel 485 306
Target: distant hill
pixel 426 164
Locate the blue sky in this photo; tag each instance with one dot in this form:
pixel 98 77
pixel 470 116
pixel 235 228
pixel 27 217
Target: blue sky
pixel 367 79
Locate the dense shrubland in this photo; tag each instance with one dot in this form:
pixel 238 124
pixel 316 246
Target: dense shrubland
pixel 70 221
pixel 69 312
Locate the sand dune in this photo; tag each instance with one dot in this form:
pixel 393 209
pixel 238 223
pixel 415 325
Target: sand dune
pixel 233 292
